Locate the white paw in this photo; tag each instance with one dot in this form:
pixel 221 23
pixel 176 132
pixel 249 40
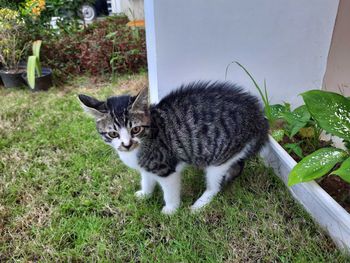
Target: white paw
pixel 202 201
pixel 169 210
pixel 196 207
pixel 142 194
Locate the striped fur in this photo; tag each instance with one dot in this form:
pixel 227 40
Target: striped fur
pixel 213 125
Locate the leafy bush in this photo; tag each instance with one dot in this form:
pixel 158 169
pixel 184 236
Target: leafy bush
pixel 37 18
pixel 12 45
pixel 10 4
pixel 104 47
pixel 332 113
pixel 38 14
pixel 296 130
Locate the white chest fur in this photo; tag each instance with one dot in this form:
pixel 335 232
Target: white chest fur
pixel 130 158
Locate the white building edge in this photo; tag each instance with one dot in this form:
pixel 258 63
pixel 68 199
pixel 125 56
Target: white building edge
pixel 285 42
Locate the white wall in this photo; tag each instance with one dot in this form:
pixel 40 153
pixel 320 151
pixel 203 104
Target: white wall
pixel 132 8
pixel 284 41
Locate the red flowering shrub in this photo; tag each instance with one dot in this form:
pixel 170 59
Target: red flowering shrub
pixel 106 46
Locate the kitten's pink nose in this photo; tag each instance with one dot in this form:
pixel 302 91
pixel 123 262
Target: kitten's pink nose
pixel 127 146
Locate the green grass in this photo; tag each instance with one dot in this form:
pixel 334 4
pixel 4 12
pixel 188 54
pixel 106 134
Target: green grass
pixel 65 196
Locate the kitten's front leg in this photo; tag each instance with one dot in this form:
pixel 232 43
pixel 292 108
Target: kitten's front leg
pixel 148 183
pixel 171 186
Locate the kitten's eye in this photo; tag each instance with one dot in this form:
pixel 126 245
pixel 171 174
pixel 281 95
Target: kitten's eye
pixel 136 130
pixel 113 134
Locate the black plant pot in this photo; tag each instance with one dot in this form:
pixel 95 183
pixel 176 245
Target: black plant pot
pixel 42 83
pixel 12 79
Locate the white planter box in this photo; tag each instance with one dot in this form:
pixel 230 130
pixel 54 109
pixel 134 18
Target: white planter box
pixel 321 206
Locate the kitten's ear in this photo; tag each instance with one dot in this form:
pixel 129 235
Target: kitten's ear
pixel 141 102
pixel 92 106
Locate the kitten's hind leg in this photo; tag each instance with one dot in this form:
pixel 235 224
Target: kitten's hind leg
pixel 214 177
pixel 233 172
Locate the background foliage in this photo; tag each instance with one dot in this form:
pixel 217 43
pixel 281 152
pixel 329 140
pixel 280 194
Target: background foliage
pixel 105 48
pixel 12 45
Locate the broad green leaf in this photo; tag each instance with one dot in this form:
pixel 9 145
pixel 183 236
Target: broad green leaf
pixel 287 106
pixel 296 128
pixel 295 124
pixel 289 117
pixel 344 170
pixel 296 119
pixel 278 134
pixel 294 147
pixel 316 165
pixel 36 52
pixel 302 112
pixel 330 110
pixel 31 65
pixel 277 110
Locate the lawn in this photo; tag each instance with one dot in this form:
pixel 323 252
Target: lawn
pixel 65 196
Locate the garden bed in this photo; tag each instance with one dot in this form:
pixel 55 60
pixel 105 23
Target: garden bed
pixel 299 131
pixel 332 184
pixel 321 206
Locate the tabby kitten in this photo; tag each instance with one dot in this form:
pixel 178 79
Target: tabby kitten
pixel 211 125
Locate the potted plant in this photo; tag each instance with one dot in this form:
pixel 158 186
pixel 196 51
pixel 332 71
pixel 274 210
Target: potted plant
pixel 300 131
pixel 37 78
pixel 303 177
pixel 11 47
pixel 332 113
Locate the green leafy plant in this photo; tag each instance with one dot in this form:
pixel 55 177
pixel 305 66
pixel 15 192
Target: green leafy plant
pixel 285 122
pixel 91 51
pixel 263 94
pixel 295 148
pixel 34 65
pixel 273 112
pixel 331 111
pixel 278 134
pixel 295 120
pixel 38 14
pixel 11 42
pixel 10 4
pixel 69 14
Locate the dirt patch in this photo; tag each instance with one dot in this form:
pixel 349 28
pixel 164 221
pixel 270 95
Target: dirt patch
pixel 133 86
pixel 130 85
pixel 338 189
